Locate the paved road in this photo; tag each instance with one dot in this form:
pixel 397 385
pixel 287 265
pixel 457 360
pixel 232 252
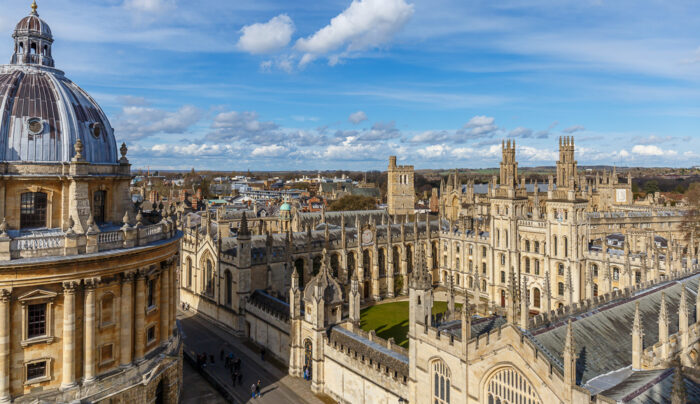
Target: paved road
pixel 196 390
pixel 277 386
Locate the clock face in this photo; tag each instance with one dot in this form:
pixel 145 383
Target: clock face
pixel 621 195
pixel 367 236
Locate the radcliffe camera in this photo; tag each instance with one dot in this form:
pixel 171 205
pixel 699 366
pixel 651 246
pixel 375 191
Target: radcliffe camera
pixel 351 202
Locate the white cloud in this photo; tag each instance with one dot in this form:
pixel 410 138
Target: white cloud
pixel 189 150
pixel 651 150
pixel 520 132
pixel 433 152
pixel 269 151
pixel 137 122
pixel 267 37
pixel 364 24
pixel 431 136
pixel 148 5
pixel 243 126
pixel 479 126
pixel 535 154
pixel 624 154
pixel 357 117
pixel 574 129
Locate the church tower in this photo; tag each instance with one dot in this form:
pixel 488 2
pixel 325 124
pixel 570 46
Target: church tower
pixel 567 165
pixel 509 167
pixel 401 193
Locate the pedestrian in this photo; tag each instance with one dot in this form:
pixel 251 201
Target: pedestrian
pixel 257 389
pixel 252 390
pixel 262 354
pixel 304 373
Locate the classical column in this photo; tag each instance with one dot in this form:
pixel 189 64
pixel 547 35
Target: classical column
pixel 68 372
pixel 89 342
pixel 164 302
pixel 140 316
pixel 127 320
pixel 5 295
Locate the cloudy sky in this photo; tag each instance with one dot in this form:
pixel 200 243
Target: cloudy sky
pixel 342 84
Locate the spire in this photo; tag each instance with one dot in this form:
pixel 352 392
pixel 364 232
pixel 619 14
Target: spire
pixel 663 327
pixel 243 227
pixel 637 339
pixel 678 392
pixel 524 305
pixel 683 312
pixel 570 356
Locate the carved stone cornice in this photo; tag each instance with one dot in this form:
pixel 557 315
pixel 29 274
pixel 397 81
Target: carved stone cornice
pixel 128 276
pixel 91 283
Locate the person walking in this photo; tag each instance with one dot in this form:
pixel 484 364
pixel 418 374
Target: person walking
pixel 257 389
pixel 252 390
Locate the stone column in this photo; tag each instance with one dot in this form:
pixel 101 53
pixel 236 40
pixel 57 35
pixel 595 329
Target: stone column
pixel 164 302
pixel 140 316
pixel 127 320
pixel 89 341
pixel 68 373
pixel 5 295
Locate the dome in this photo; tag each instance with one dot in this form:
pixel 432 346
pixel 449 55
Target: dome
pixel 42 113
pixel 285 207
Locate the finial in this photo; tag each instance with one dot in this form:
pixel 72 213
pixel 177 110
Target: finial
pixel 3 228
pixel 78 150
pixel 34 7
pixel 123 150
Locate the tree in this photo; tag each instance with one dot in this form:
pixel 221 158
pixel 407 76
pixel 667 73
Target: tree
pixel 691 222
pixel 651 186
pixel 353 202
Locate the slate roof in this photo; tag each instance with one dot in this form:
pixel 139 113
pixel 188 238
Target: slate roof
pixel 270 304
pixel 651 387
pixel 594 330
pixel 378 353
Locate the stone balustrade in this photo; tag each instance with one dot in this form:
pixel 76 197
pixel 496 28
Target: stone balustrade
pixel 59 243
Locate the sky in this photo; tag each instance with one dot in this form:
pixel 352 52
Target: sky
pixel 344 84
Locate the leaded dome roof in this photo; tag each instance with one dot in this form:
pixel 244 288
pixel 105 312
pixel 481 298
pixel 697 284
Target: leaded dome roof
pixel 43 113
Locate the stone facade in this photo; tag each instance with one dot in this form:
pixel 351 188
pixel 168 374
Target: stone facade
pixel 401 193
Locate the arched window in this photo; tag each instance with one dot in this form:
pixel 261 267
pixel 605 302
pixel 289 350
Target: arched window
pixel 483 268
pixel 316 265
pixel 471 282
pixel 536 297
pixel 21 47
pixel 32 212
pixel 503 298
pixel 441 382
pixel 508 385
pixel 483 252
pixel 595 289
pixel 409 258
pixel 566 246
pixel 537 246
pixel 483 285
pixel 594 268
pixel 366 263
pixel 537 267
pixel 382 263
pixel 527 265
pixel 98 206
pixel 616 274
pixel 209 276
pixel 299 265
pixel 503 276
pixel 397 260
pixel 503 259
pixel 308 356
pixel 560 288
pixel 45 51
pixel 554 243
pixel 560 269
pixel 637 277
pixel 471 265
pixel 32 48
pixel 189 272
pixel 229 285
pixel 527 245
pixel 335 265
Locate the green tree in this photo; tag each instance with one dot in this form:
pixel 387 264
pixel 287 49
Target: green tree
pixel 691 222
pixel 353 202
pixel 651 186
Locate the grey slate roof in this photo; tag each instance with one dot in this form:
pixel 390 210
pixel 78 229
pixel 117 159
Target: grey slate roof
pixel 594 330
pixel 378 353
pixel 651 387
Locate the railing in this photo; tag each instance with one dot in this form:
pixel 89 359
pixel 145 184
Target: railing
pixel 38 243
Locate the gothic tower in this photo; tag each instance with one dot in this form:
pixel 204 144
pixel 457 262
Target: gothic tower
pixel 509 167
pixel 567 165
pixel 401 194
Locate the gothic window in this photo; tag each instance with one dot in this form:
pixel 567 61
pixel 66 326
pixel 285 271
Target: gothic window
pixel 32 211
pixel 483 268
pixel 483 252
pixel 229 285
pixel 554 243
pixel 471 265
pixel 637 277
pixel 483 284
pixel 366 263
pixel 457 280
pixel 457 248
pixel 457 263
pixel 308 354
pixel 594 268
pixel 98 206
pixel 560 288
pixel 409 259
pixel 537 246
pixel 209 288
pixel 527 245
pixel 471 282
pixel 616 274
pixel 560 269
pixel 536 297
pixel 382 263
pixel 471 249
pixel 508 385
pixel 335 265
pixel 397 260
pixel 299 265
pixel 441 382
pixel 317 265
pixel 503 259
pixel 566 246
pixel 537 267
pixel 503 276
pixel 527 265
pixel 595 289
pixel 189 272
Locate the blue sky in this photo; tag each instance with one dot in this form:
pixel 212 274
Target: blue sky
pixel 342 84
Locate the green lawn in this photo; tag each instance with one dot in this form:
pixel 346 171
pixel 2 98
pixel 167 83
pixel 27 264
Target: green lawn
pixel 391 319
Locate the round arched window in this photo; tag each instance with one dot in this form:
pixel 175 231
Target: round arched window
pixel 35 126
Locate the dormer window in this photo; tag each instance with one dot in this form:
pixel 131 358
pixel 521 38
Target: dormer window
pixel 96 130
pixel 35 126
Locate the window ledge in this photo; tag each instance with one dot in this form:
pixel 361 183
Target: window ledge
pixel 107 325
pixel 37 380
pixel 108 362
pixel 37 340
pixel 151 309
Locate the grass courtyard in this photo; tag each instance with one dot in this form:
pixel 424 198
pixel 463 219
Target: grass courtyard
pixel 391 319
